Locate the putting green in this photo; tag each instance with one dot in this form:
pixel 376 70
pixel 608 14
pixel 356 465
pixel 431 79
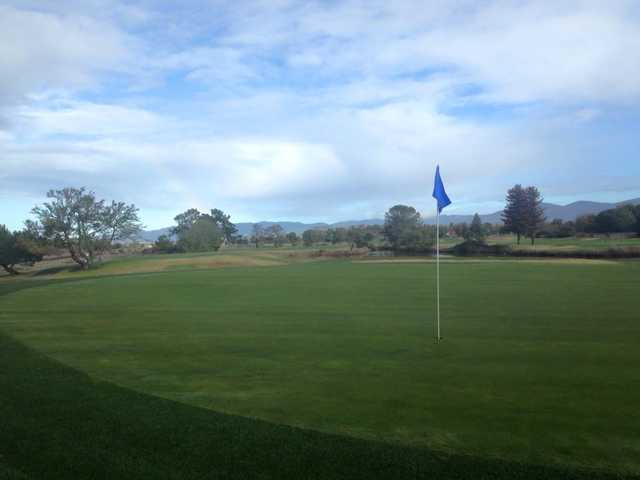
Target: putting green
pixel 539 362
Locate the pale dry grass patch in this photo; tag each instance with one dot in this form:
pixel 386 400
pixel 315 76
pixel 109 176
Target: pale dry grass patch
pixel 537 261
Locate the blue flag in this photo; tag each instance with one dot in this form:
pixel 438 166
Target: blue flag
pixel 438 191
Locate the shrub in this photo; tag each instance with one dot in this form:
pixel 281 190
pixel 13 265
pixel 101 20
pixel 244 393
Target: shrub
pixel 475 247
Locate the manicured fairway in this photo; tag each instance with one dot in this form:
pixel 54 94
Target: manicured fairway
pixel 539 364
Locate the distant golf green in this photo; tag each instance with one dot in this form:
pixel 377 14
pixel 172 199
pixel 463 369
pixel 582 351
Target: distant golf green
pixel 539 362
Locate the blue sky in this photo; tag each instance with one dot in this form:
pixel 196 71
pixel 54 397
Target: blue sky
pixel 317 111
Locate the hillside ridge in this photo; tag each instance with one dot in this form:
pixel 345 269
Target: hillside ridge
pixel 565 213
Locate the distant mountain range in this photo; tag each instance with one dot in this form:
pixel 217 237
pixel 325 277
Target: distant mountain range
pixel 247 228
pixel 552 211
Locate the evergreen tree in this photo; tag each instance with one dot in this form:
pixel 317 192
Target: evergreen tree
pixel 476 231
pixel 293 238
pixel 534 213
pixel 514 215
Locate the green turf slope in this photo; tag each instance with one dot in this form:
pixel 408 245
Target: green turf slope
pixel 539 367
pixel 57 423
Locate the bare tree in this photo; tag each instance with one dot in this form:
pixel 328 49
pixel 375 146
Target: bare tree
pixel 257 234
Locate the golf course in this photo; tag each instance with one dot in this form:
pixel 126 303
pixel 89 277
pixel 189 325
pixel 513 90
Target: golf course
pixel 265 364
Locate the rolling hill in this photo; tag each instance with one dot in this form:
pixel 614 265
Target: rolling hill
pixel 552 211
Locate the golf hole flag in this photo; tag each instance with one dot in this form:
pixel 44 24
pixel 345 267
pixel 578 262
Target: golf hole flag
pixel 443 200
pixel 439 193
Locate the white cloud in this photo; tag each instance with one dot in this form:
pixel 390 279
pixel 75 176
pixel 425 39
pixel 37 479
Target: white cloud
pixel 206 64
pixel 533 53
pixel 515 51
pixel 41 50
pixel 311 108
pixel 87 118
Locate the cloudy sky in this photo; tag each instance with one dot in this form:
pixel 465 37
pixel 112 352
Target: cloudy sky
pixel 317 111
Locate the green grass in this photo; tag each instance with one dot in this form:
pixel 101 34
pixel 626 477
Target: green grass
pixel 58 423
pixel 538 366
pixel 598 242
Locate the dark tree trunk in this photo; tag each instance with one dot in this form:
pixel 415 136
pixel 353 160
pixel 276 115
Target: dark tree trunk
pixel 9 269
pixel 79 259
pixel 518 236
pixel 533 239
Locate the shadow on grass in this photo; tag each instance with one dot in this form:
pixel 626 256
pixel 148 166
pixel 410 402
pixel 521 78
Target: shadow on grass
pixel 55 270
pixel 58 423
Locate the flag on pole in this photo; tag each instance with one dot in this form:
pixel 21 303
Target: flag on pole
pixel 443 200
pixel 439 193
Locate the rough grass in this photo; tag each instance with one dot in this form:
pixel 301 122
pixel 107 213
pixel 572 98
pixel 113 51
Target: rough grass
pixel 126 264
pixel 536 367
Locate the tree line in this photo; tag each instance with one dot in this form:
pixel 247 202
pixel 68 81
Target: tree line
pixel 621 219
pixel 86 227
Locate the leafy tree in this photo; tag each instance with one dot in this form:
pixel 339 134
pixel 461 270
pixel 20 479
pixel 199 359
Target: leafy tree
pixel 514 215
pixel 490 229
pixel 567 229
pixel 164 244
pixel 586 224
pixel 425 238
pixel 85 226
pixel 203 236
pixel 275 234
pixel 186 220
pixel 401 227
pixel 552 228
pixel 359 237
pixel 307 238
pixel 224 223
pixel 616 220
pixel 460 229
pixel 534 213
pixel 292 238
pixel 336 235
pixel 330 236
pixel 557 228
pixel 242 239
pixel 121 221
pixel 310 237
pixel 17 248
pixel 476 230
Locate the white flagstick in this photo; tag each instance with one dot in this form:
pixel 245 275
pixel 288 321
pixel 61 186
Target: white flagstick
pixel 438 274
